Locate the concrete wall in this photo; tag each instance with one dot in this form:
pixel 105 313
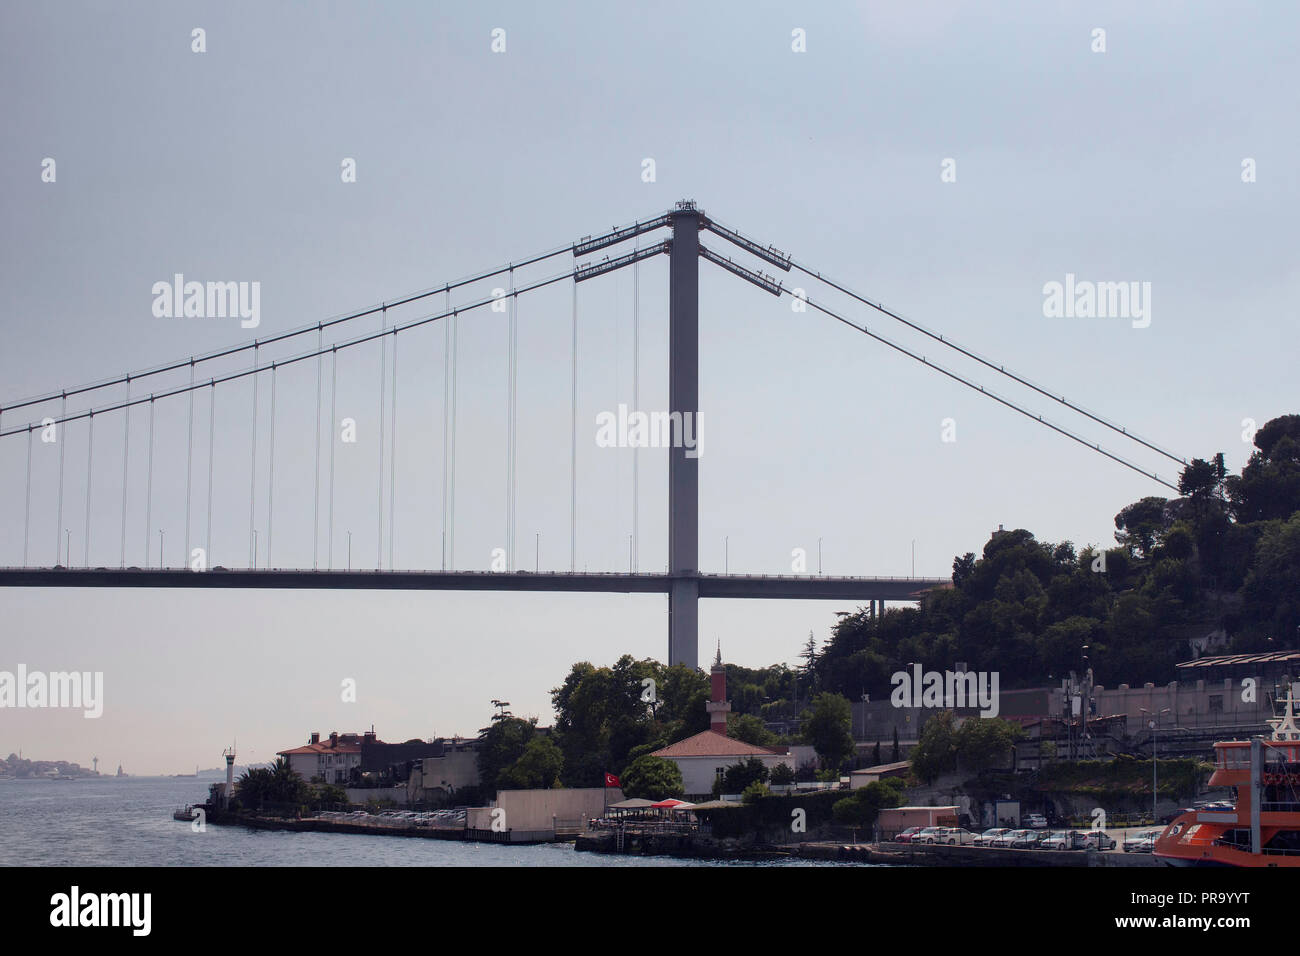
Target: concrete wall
pixel 536 809
pixel 451 771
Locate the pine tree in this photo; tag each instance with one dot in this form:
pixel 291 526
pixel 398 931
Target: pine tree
pixel 898 754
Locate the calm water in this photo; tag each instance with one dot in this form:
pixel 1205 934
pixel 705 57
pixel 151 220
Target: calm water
pixel 128 822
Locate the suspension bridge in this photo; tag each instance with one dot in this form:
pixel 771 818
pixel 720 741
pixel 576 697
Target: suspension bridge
pixel 43 420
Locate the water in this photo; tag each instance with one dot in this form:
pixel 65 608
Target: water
pixel 128 821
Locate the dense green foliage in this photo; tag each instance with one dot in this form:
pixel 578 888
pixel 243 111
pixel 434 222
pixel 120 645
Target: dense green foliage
pixel 738 777
pixel 862 807
pixel 606 717
pixel 537 768
pixel 980 743
pixel 1225 554
pixel 828 727
pixel 652 778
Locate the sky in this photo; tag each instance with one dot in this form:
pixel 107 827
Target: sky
pixel 947 159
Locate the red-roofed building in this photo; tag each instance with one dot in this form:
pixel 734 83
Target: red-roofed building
pixel 705 756
pixel 331 760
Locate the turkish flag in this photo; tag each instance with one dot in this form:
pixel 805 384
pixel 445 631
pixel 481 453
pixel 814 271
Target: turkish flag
pixel 611 780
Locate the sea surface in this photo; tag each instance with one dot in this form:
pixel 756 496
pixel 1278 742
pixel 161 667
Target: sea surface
pixel 111 821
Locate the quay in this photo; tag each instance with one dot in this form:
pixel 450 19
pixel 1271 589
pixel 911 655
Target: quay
pixel 903 854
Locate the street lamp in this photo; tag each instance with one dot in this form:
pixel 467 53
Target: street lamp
pixel 819 555
pixel 1152 723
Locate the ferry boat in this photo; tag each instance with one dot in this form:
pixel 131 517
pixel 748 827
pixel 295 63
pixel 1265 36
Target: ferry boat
pixel 1263 828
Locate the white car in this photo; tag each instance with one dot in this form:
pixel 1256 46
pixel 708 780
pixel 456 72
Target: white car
pixel 956 836
pixel 1036 821
pixel 929 835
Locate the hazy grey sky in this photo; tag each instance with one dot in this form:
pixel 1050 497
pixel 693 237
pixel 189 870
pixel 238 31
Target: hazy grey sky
pixel 1123 165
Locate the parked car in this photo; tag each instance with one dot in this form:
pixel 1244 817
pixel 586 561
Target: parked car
pixel 1036 821
pixel 1062 840
pixel 1010 836
pixel 957 836
pixel 1098 840
pixel 1028 839
pixel 906 835
pixel 988 836
pixel 1143 841
pixel 928 835
pixel 1169 818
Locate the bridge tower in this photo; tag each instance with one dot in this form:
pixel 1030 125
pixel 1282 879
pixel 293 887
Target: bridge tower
pixel 683 468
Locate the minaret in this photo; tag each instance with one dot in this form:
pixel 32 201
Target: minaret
pixel 718 705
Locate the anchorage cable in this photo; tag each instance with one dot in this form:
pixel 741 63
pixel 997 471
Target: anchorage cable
pixel 969 353
pixel 1000 369
pixel 982 390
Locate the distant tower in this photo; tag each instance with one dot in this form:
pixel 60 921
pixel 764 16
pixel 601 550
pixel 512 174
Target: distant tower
pixel 718 705
pixel 95 763
pixel 230 777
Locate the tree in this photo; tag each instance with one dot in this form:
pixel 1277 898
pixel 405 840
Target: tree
pixel 828 729
pixel 935 751
pixel 875 755
pixel 862 808
pixel 896 754
pixel 652 778
pixel 501 745
pixel 750 729
pixel 754 791
pixel 740 775
pixel 1141 524
pixel 537 768
pixel 809 669
pixel 782 775
pixel 984 742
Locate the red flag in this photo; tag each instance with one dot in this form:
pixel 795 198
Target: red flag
pixel 612 781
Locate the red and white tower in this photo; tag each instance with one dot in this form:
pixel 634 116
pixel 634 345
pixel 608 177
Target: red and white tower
pixel 718 705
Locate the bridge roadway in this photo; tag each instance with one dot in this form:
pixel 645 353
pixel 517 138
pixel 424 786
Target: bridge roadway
pixel 796 587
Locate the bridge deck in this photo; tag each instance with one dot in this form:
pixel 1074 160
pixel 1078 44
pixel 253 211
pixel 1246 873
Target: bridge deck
pixel 798 587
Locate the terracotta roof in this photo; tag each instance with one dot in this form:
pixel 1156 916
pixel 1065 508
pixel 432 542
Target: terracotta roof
pixel 323 747
pixel 710 743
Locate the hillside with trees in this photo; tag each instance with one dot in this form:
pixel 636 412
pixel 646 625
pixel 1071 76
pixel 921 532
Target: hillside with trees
pixel 1224 556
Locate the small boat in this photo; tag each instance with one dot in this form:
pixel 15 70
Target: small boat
pixel 1262 829
pixel 185 813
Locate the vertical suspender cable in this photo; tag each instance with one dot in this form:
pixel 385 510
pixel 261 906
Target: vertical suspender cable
pixel 334 391
pixel 270 484
pixel 573 443
pixel 58 531
pixel 27 502
pixel 636 405
pixel 90 455
pixel 148 495
pixel 189 467
pixel 510 431
pixel 392 462
pixel 126 457
pixel 451 499
pixel 252 472
pixel 383 374
pixel 212 433
pixel 315 512
pixel 446 411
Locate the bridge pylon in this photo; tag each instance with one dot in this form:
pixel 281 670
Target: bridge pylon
pixel 683 462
